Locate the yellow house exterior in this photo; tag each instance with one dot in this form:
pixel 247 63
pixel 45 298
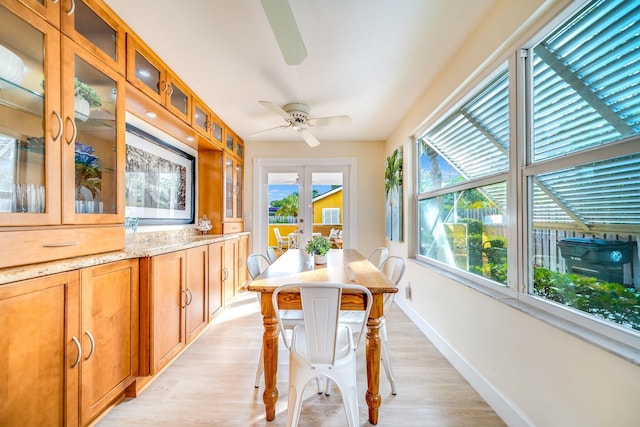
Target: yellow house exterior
pixel 330 199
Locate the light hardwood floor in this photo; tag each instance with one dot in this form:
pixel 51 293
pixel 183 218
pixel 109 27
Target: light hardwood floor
pixel 211 383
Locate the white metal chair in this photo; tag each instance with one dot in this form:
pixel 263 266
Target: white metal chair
pixel 378 255
pixel 322 346
pixel 256 264
pixel 273 252
pixel 393 267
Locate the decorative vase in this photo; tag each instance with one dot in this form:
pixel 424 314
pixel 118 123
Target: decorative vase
pixel 82 107
pixel 319 259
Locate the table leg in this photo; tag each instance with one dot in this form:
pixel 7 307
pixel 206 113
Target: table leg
pixel 373 397
pixel 270 354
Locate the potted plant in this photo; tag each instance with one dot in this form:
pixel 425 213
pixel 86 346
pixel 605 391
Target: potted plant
pixel 318 246
pixel 85 99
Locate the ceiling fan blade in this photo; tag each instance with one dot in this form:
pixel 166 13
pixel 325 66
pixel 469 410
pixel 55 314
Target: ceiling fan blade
pixel 284 27
pixel 333 120
pixel 311 140
pixel 279 111
pixel 263 132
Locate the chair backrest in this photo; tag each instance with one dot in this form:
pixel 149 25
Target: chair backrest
pixel 273 252
pixel 393 267
pixel 276 231
pixel 378 255
pixel 321 307
pixel 256 264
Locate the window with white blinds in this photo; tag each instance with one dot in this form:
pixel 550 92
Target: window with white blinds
pixel 586 80
pixel 579 198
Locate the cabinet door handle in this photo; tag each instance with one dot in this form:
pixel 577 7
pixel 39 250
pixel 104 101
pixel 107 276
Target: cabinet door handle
pixel 55 138
pixel 190 295
pixel 163 86
pixel 59 245
pixel 77 343
pixel 93 345
pixel 75 131
pixel 170 88
pixel 186 298
pixel 225 274
pixel 72 8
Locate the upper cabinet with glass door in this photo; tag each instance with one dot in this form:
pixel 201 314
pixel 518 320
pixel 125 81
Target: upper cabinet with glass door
pixel 233 144
pixel 206 123
pixel 31 123
pixel 93 141
pixel 149 74
pixel 90 23
pixel 95 28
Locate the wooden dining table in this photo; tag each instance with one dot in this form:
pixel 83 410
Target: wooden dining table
pixel 343 266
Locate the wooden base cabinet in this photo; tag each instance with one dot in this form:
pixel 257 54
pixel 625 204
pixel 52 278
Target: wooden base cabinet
pixel 69 344
pixel 173 305
pixel 109 338
pixel 216 259
pixel 39 361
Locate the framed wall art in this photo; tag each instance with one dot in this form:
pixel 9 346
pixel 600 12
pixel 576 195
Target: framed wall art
pixel 393 196
pixel 159 180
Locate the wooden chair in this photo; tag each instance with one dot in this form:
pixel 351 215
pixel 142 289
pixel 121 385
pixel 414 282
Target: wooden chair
pixel 322 346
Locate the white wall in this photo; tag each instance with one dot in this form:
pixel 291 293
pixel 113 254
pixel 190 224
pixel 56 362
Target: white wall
pixel 370 180
pixel 531 372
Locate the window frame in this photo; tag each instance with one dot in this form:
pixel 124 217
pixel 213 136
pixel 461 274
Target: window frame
pixel 507 63
pixel 619 340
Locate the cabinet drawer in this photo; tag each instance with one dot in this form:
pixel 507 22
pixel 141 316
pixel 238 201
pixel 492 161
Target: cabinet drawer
pixel 34 246
pixel 232 227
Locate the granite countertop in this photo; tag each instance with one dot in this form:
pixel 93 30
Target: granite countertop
pixel 149 246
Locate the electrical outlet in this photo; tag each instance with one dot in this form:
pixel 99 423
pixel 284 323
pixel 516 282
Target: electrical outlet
pixel 407 291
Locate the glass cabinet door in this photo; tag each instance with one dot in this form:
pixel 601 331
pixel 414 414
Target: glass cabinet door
pixel 30 119
pixel 178 100
pixel 92 148
pixel 201 120
pixel 238 191
pixel 229 174
pixel 85 21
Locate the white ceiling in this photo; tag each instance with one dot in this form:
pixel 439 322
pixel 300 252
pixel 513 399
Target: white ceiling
pixel 369 59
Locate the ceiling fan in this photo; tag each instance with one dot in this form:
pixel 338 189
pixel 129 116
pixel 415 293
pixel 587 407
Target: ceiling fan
pixel 297 117
pixel 284 27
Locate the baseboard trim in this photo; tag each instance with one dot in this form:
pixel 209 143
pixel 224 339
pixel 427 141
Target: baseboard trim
pixel 505 409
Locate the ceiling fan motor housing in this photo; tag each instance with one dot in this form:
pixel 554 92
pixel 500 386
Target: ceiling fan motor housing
pixel 299 111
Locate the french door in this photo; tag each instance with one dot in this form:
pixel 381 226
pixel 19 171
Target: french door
pixel 302 198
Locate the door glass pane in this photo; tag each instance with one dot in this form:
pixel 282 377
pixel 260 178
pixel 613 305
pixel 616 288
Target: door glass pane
pixel 147 73
pixel 95 147
pixel 327 202
pixel 98 32
pixel 283 190
pixel 229 142
pixel 22 144
pixel 179 99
